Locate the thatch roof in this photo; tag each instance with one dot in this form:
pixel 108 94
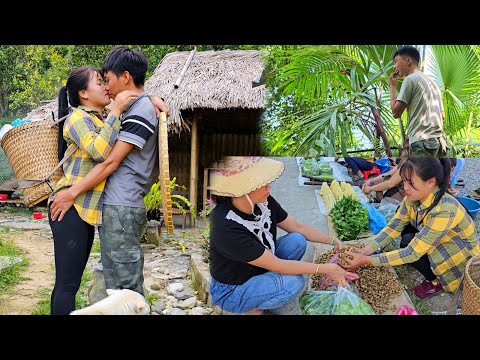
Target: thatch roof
pixel 214 80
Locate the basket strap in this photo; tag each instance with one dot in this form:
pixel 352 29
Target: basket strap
pixel 59 120
pixel 25 183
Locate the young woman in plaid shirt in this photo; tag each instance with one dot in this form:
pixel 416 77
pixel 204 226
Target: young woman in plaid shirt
pixel 443 235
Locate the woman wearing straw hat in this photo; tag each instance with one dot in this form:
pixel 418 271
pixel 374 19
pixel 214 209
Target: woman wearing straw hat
pixel 251 269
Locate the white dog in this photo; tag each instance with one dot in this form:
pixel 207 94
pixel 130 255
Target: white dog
pixel 119 302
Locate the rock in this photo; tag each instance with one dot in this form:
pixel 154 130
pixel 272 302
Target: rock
pixel 199 311
pixel 188 304
pixel 176 311
pixel 178 274
pixel 155 286
pixel 97 290
pixel 172 300
pixel 148 246
pixel 159 306
pixel 7 261
pixel 170 252
pixel 184 295
pixel 174 287
pixel 160 276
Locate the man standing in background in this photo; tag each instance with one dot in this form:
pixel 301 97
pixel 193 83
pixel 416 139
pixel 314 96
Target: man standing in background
pixel 422 98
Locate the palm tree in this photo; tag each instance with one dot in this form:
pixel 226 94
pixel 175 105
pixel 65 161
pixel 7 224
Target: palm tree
pixel 456 69
pixel 348 86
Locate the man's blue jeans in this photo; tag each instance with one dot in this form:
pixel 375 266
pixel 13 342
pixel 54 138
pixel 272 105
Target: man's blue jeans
pixel 267 291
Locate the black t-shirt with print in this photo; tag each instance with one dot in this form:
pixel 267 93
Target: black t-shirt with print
pixel 232 245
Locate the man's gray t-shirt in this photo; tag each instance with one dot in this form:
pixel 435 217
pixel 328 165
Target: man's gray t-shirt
pixel 424 107
pixel 132 180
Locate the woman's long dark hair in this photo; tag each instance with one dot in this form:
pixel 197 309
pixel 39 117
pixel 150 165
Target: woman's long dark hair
pixel 426 168
pixel 77 81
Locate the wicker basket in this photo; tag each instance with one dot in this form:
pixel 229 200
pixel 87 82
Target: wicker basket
pixel 471 287
pixel 32 151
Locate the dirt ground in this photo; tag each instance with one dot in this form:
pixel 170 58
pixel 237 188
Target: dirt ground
pixel 38 247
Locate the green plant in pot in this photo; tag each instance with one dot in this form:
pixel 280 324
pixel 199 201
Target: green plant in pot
pixel 153 201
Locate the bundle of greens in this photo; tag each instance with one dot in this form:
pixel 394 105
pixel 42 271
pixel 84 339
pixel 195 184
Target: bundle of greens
pixel 349 218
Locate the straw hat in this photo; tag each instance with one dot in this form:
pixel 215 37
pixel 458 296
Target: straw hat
pixel 236 176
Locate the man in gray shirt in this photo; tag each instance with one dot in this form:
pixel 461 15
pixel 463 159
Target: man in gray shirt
pixel 423 100
pixel 130 171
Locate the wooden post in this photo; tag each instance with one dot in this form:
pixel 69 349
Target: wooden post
pixel 194 165
pixel 205 188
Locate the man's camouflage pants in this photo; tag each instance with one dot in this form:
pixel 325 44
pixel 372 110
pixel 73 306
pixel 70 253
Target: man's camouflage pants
pixel 122 256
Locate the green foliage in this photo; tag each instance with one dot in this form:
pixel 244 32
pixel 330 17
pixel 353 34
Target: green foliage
pixel 204 214
pixel 337 88
pixel 153 200
pixel 151 298
pixel 43 72
pixel 11 275
pixel 6 120
pixel 95 247
pixel 43 305
pixel 322 97
pixel 349 218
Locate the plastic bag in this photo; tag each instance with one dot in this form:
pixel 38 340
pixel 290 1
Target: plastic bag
pixel 343 301
pixel 388 207
pixel 405 310
pixel 375 218
pixel 317 302
pixel 347 302
pixel 327 280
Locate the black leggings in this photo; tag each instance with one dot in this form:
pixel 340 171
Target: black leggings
pixel 73 239
pixel 422 264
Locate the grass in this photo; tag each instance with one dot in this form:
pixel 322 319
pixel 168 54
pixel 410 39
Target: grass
pixel 11 275
pixel 81 300
pixel 6 120
pixel 95 247
pixel 16 210
pixel 151 298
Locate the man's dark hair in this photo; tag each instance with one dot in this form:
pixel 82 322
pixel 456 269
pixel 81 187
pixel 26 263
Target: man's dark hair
pixel 410 51
pixel 121 59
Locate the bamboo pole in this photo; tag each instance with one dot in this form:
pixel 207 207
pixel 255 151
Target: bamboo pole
pixel 185 67
pixel 165 172
pixel 194 165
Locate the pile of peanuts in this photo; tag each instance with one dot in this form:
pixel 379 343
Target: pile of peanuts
pixel 377 285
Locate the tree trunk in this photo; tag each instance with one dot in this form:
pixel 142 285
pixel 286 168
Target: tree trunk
pixel 3 104
pixel 470 118
pixel 381 130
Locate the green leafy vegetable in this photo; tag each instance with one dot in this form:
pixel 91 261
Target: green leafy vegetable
pixel 349 218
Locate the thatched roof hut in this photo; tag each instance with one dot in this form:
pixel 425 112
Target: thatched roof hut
pixel 213 80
